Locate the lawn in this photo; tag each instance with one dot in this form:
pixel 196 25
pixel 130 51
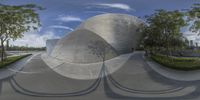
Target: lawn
pixel 179 63
pixel 197 51
pixel 10 60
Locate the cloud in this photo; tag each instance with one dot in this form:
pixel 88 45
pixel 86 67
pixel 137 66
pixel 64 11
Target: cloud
pixel 32 39
pixel 114 5
pixel 192 36
pixel 61 27
pixel 101 12
pixel 69 19
pixel 198 39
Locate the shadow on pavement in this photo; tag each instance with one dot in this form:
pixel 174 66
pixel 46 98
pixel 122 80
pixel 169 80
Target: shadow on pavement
pixel 24 91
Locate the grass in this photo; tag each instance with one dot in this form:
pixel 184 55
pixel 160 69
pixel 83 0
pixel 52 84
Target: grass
pixel 178 63
pixel 11 60
pixel 197 51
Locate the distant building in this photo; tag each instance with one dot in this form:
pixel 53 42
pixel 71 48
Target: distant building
pixel 50 44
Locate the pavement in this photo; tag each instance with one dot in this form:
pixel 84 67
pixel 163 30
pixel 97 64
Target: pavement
pixel 135 80
pixel 84 71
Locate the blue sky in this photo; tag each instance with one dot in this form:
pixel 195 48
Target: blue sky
pixel 63 16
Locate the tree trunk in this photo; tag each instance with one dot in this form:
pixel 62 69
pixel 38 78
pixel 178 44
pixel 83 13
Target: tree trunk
pixel 2 50
pixel 167 48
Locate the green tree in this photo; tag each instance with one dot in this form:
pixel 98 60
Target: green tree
pixel 163 29
pixel 15 20
pixel 194 17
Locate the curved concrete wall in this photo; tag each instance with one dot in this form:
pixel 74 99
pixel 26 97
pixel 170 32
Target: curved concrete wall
pixel 119 30
pixel 118 33
pixel 75 48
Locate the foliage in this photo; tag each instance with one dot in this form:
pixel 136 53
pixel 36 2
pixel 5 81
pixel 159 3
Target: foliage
pixel 15 20
pixel 163 30
pixel 194 17
pixel 178 63
pixel 197 51
pixel 11 60
pixel 23 48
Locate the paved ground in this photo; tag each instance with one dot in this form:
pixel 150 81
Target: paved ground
pixel 135 80
pixel 84 71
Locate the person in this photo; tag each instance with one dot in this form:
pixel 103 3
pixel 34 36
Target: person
pixel 133 49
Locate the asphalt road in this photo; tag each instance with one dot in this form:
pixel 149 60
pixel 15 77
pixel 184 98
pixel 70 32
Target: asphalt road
pixel 135 80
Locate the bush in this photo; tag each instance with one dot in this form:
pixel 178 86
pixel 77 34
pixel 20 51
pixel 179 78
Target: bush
pixel 11 60
pixel 178 63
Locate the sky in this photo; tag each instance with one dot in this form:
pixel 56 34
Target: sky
pixel 60 17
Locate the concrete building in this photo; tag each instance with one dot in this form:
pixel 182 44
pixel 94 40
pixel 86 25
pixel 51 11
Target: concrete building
pixel 50 44
pixel 103 38
pixel 74 48
pixel 121 31
pixel 118 32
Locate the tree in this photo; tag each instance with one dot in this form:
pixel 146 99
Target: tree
pixel 193 16
pixel 15 20
pixel 152 38
pixel 163 29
